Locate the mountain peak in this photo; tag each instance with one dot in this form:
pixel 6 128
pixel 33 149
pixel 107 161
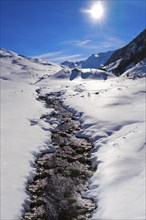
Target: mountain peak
pixel 95 61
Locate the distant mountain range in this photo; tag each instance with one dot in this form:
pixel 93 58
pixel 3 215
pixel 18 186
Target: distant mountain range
pixel 95 61
pixel 15 67
pixel 129 61
pixel 118 61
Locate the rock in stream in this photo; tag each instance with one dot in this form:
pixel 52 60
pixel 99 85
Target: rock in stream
pixel 62 176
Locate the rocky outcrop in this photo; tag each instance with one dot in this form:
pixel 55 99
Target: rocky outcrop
pixel 131 54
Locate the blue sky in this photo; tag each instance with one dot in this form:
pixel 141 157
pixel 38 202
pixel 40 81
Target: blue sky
pixel 59 30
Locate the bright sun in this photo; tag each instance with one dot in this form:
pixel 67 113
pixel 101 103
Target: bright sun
pixel 97 11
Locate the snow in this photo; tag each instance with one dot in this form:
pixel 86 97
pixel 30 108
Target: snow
pixel 110 67
pixel 76 73
pixel 19 140
pixel 68 64
pixel 113 117
pixel 62 74
pixel 17 68
pixel 23 133
pixel 112 114
pixel 139 70
pixel 95 61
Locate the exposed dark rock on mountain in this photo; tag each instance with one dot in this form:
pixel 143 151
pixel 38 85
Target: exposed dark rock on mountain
pixel 131 54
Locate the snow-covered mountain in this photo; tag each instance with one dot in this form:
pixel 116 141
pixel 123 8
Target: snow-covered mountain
pixel 95 61
pixel 128 56
pixel 137 71
pixel 16 67
pixel 69 64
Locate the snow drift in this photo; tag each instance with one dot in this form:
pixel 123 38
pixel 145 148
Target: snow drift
pixel 89 74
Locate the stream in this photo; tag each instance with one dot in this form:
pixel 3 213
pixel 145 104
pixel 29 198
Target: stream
pixel 56 192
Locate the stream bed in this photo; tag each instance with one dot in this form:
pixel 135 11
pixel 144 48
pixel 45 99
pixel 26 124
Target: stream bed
pixel 56 192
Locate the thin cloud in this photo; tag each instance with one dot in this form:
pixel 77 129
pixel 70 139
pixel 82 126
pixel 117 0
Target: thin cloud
pixel 59 57
pixel 104 43
pixel 78 43
pixel 72 58
pixel 81 43
pixel 48 55
pixel 111 43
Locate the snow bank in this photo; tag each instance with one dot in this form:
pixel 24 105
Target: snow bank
pixel 113 118
pixel 23 133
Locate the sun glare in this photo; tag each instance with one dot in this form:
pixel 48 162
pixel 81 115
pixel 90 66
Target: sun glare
pixel 97 11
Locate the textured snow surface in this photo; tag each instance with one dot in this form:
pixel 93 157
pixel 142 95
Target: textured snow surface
pixel 114 120
pixel 22 134
pixel 112 115
pixel 17 68
pixel 89 74
pixel 76 73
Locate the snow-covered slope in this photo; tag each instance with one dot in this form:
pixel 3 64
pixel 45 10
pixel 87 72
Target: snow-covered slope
pixel 18 67
pixel 137 71
pixel 129 55
pixel 76 73
pixel 113 117
pixel 112 114
pixel 23 132
pixel 64 73
pixel 89 74
pixel 69 64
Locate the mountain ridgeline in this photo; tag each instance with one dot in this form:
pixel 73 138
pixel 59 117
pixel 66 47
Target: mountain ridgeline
pixel 118 61
pixel 129 55
pixel 95 61
pixel 128 61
